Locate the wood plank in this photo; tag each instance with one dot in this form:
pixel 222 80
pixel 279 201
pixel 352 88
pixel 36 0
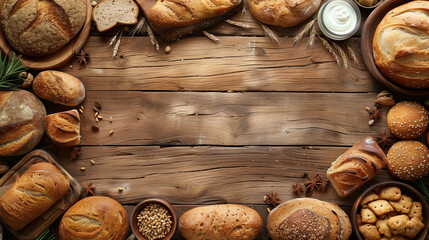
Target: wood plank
pixel 212 118
pixel 237 63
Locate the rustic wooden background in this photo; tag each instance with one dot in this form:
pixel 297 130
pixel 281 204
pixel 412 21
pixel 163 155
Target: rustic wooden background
pixel 217 123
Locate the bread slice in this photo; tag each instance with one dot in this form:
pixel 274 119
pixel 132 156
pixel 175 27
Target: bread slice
pixel 110 13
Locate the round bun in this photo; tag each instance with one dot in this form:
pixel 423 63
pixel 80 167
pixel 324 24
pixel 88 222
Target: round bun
pixel 283 13
pixel 95 218
pixel 408 160
pixel 308 218
pixel 408 120
pixel 400 45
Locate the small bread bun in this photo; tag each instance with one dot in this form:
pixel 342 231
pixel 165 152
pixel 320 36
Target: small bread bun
pixel 408 160
pixel 408 120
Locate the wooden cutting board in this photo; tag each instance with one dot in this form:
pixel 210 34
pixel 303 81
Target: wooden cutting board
pixel 175 33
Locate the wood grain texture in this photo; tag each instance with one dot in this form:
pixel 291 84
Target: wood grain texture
pixel 237 63
pixel 211 118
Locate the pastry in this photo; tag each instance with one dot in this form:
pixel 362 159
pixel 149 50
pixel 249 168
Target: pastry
pixel 408 120
pixel 110 13
pixel 64 128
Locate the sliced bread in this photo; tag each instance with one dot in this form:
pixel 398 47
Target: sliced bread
pixel 110 13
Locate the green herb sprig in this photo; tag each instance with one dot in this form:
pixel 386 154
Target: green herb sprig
pixel 48 234
pixel 421 185
pixel 10 70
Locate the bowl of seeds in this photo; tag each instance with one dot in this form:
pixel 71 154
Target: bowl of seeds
pixel 154 219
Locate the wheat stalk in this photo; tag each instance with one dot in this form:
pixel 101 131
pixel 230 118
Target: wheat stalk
pixel 113 39
pixel 153 40
pixel 352 55
pixel 211 37
pixel 312 38
pixel 238 24
pixel 303 32
pixel 137 29
pixel 343 54
pixel 273 36
pixel 116 48
pixel 331 50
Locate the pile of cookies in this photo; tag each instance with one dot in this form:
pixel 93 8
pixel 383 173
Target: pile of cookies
pixel 387 213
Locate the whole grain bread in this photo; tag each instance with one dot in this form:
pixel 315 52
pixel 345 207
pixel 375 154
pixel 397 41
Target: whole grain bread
pixel 110 13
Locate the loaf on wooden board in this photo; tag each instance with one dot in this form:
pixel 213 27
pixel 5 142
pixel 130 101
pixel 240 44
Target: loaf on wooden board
pixel 38 189
pixel 220 222
pixel 64 128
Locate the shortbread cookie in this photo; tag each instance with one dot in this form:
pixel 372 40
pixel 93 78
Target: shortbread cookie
pixel 403 205
pixel 392 193
pixel 380 207
pixel 397 224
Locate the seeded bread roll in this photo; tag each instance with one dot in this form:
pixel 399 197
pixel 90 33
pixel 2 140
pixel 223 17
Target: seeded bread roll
pixel 408 160
pixel 408 120
pixel 64 128
pixel 220 222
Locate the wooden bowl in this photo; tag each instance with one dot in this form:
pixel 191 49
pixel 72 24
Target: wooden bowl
pixel 58 58
pixel 140 207
pixel 368 31
pixel 405 188
pixel 367 7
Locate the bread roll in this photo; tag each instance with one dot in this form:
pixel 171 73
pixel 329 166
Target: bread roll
pixel 38 28
pixel 95 218
pixel 283 13
pixel 64 128
pixel 38 189
pixel 308 218
pixel 408 160
pixel 59 87
pixel 408 120
pixel 220 222
pixel 356 166
pixel 22 122
pixel 400 45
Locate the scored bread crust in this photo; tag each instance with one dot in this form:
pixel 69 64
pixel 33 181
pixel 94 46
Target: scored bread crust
pixel 64 128
pixel 99 14
pixel 283 13
pixel 38 189
pixel 400 45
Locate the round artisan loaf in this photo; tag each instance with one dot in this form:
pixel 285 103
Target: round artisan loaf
pixel 283 13
pixel 95 218
pixel 38 28
pixel 22 122
pixel 400 45
pixel 408 120
pixel 220 222
pixel 408 160
pixel 308 218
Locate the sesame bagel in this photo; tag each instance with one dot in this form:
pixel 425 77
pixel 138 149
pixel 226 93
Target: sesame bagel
pixel 408 160
pixel 408 120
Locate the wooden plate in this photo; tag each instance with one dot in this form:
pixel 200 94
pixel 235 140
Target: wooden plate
pixel 36 227
pixel 368 31
pixel 58 58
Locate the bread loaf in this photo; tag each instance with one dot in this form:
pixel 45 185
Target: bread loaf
pixel 22 122
pixel 110 13
pixel 95 218
pixel 283 13
pixel 220 222
pixel 38 189
pixel 308 218
pixel 173 19
pixel 64 128
pixel 400 45
pixel 38 27
pixel 59 87
pixel 356 166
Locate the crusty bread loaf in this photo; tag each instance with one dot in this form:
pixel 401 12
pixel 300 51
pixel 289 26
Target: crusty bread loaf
pixel 110 13
pixel 220 222
pixel 400 45
pixel 408 160
pixel 356 166
pixel 95 218
pixel 284 13
pixel 64 128
pixel 308 218
pixel 59 87
pixel 38 189
pixel 22 122
pixel 38 28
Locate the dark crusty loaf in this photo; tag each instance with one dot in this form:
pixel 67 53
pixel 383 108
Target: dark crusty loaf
pixel 38 27
pixel 38 189
pixel 220 222
pixel 22 122
pixel 64 128
pixel 95 218
pixel 356 166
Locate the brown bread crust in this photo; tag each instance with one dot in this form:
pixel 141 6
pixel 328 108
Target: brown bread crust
pixel 64 128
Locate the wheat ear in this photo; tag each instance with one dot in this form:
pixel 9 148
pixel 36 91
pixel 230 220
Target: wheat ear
pixel 152 37
pixel 211 37
pixel 303 32
pixel 331 50
pixel 273 36
pixel 238 24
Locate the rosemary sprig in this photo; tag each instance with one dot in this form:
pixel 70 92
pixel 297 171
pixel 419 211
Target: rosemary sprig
pixel 421 185
pixel 10 69
pixel 48 234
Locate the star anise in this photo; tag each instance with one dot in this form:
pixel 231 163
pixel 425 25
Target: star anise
pixel 297 189
pixel 312 183
pixel 88 188
pixel 272 198
pixel 323 184
pixel 83 57
pixel 75 153
pixel 376 113
pixel 384 139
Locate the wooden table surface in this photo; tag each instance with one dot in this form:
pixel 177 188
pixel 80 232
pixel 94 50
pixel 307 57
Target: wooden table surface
pixel 218 123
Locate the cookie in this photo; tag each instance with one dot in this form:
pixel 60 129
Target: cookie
pixel 380 207
pixel 383 228
pixel 390 193
pixel 413 227
pixel 369 198
pixel 397 224
pixel 416 211
pixel 369 232
pixel 403 205
pixel 368 216
pixel 358 220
